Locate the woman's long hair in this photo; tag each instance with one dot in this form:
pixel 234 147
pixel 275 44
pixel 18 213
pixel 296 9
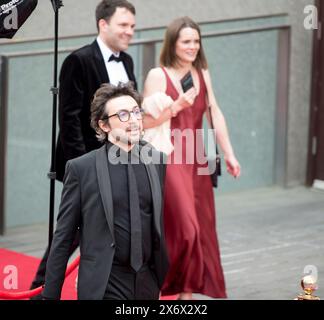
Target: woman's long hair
pixel 168 57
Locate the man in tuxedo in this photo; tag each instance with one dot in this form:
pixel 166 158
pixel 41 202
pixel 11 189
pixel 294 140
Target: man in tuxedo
pixel 113 195
pixel 82 73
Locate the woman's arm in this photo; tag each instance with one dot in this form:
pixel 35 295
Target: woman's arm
pixel 155 82
pixel 222 135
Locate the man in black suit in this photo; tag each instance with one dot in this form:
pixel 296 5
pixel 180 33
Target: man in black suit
pixel 113 195
pixel 82 73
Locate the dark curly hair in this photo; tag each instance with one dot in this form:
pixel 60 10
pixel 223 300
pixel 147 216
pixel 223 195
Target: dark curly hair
pixel 105 93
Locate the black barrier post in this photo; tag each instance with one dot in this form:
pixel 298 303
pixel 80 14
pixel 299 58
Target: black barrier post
pixel 3 136
pixel 52 174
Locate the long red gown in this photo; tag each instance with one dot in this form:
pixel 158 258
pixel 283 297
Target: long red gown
pixel 189 212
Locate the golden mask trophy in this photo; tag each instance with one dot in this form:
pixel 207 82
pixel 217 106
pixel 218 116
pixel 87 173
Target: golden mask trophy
pixel 309 285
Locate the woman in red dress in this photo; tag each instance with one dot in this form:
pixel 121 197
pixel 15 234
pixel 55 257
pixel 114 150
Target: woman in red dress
pixel 189 210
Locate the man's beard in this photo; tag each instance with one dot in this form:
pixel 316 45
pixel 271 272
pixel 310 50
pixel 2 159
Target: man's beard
pixel 123 136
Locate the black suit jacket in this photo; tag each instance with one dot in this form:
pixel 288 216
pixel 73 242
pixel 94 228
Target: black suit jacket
pixel 82 73
pixel 87 204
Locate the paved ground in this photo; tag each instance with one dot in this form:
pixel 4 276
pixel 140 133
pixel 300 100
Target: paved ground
pixel 267 238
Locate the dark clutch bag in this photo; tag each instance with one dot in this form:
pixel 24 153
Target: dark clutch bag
pixel 215 164
pixel 217 171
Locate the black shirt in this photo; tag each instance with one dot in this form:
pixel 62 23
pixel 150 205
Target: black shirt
pixel 120 194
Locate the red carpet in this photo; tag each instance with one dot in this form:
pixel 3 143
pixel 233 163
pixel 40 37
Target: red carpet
pixel 26 267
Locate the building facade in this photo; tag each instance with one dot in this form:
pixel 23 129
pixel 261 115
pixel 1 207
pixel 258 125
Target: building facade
pixel 260 58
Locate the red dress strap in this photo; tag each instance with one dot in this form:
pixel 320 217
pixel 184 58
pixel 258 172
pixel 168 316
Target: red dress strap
pixel 166 75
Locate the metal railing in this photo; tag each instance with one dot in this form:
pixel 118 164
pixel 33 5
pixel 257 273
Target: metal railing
pixel 148 62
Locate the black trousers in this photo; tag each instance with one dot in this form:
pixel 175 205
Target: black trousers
pixel 39 279
pixel 126 284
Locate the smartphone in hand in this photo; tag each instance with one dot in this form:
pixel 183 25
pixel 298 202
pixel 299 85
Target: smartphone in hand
pixel 187 82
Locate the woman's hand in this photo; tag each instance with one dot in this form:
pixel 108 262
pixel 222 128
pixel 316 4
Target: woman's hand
pixel 185 100
pixel 232 165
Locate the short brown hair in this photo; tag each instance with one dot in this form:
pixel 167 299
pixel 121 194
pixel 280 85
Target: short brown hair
pixel 168 56
pixel 106 9
pixel 105 93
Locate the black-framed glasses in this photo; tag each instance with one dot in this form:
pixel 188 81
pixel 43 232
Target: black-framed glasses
pixel 124 115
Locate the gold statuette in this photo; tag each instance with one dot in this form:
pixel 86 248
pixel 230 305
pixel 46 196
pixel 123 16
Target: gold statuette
pixel 309 285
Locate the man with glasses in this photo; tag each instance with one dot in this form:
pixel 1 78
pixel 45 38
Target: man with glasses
pixel 113 195
pixel 82 73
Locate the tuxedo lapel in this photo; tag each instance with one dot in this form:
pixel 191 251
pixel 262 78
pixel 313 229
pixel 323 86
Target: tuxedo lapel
pixel 128 64
pixel 105 186
pixel 100 63
pixel 104 183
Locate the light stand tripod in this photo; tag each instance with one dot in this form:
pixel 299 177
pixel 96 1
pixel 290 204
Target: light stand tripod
pixel 52 174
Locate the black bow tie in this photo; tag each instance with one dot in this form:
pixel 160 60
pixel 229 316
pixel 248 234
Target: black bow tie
pixel 114 58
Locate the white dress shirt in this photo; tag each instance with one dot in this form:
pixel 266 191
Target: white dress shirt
pixel 116 70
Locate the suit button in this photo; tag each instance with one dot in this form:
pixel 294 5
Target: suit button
pixel 112 245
